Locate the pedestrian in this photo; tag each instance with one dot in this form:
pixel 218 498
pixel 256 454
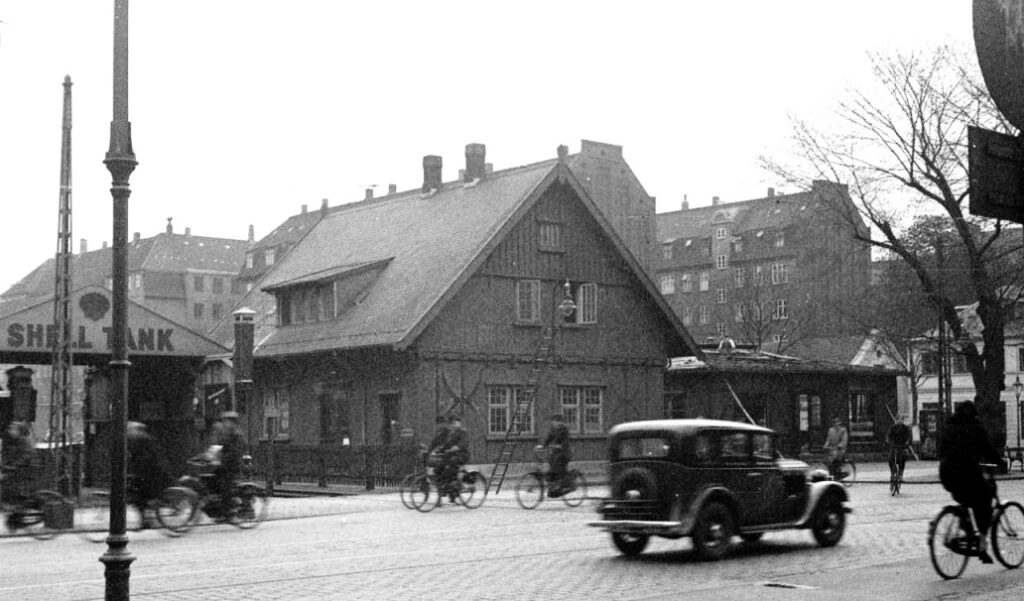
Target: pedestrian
pixel 17 463
pixel 964 446
pixel 148 472
pixel 559 456
pixel 228 466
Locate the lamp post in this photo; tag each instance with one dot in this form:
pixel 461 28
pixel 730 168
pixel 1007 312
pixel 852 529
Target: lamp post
pixel 120 161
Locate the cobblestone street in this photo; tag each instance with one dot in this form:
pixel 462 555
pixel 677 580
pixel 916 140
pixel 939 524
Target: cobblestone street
pixel 370 547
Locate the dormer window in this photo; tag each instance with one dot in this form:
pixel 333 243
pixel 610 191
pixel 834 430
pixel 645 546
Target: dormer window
pixel 249 260
pixel 268 257
pixel 666 251
pixel 780 239
pixel 720 233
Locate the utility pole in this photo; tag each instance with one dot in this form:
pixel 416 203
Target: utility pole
pixel 61 370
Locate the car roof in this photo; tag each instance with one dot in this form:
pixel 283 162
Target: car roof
pixel 684 426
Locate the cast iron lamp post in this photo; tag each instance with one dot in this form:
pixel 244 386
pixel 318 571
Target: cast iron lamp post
pixel 1018 387
pixel 120 161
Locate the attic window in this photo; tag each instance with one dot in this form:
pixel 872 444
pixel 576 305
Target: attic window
pixel 550 236
pixel 688 242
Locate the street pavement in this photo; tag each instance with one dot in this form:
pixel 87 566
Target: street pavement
pixel 368 546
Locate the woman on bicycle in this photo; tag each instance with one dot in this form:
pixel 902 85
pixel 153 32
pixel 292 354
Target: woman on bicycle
pixel 557 442
pixel 898 440
pixel 965 445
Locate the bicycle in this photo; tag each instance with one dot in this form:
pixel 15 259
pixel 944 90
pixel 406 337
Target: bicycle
pixel 40 515
pixel 172 511
pixel 194 494
pixel 845 475
pixel 896 457
pixel 425 492
pixel 405 486
pixel 953 539
pixel 531 488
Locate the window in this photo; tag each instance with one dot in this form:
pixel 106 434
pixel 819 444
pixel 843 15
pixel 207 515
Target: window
pixel 668 284
pixel 637 448
pixel 327 302
pixel 738 277
pixel 237 286
pixel 737 313
pixel 687 316
pixel 268 257
pixel 763 446
pixel 275 412
pixel 1020 358
pixel 720 329
pixel 198 283
pixel 501 407
pixel 110 283
pixel 528 301
pixel 815 411
pixel 721 262
pixel 737 245
pixel 862 420
pixel 705 314
pixel 197 311
pixel 218 285
pixel 704 281
pixel 666 251
pixel 686 282
pixel 582 408
pixel 216 311
pixel 780 311
pixel 585 296
pixel 758 275
pixel 720 296
pixel 958 364
pixel 249 261
pixel 780 239
pixel 779 274
pixel 550 235
pixel 733 447
pixel 135 282
pixel 720 233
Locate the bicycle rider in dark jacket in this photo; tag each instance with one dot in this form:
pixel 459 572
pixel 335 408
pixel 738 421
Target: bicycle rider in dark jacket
pixel 965 445
pixel 557 443
pixel 231 450
pixel 455 454
pixel 898 440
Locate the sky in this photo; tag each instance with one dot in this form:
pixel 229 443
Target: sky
pixel 242 111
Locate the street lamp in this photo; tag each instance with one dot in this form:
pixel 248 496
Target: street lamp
pixel 120 161
pixel 1018 387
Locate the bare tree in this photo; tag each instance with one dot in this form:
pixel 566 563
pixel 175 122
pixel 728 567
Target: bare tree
pixel 902 149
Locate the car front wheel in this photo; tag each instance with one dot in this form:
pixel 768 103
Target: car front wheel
pixel 712 536
pixel 829 521
pixel 630 545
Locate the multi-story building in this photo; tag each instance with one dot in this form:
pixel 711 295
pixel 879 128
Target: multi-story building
pixel 768 271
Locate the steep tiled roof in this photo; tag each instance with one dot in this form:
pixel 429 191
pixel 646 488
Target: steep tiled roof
pixel 431 243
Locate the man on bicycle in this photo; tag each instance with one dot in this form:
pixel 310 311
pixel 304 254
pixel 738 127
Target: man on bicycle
pixel 19 459
pixel 835 444
pixel 454 455
pixel 898 440
pixel 965 445
pixel 557 443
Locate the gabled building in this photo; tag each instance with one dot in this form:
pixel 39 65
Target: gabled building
pixel 441 300
pixel 766 271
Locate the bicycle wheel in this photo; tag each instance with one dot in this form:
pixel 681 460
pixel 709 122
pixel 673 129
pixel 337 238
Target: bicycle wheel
pixel 423 494
pixel 33 518
pixel 574 497
pixel 530 490
pixel 847 473
pixel 405 490
pixel 251 505
pixel 473 490
pixel 94 524
pixel 894 485
pixel 1008 534
pixel 177 509
pixel 946 543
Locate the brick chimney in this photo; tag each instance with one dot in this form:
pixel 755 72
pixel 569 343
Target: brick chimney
pixel 431 172
pixel 252 233
pixel 304 209
pixel 83 246
pixel 136 237
pixel 323 208
pixel 563 152
pixel 369 194
pixel 188 231
pixel 771 192
pixel 392 188
pixel 714 201
pixel 170 228
pixel 686 203
pixel 475 162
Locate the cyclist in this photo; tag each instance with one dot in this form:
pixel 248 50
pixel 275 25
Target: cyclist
pixel 229 465
pixel 455 454
pixel 557 441
pixel 898 440
pixel 19 455
pixel 835 444
pixel 964 445
pixel 147 468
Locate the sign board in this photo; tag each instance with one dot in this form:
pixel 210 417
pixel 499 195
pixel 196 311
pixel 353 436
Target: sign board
pixel 996 167
pixel 31 329
pixel 999 42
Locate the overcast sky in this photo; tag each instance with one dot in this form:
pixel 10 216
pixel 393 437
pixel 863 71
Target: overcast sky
pixel 244 110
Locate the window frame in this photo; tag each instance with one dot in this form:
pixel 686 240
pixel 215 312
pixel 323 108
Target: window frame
pixel 705 281
pixel 722 262
pixel 582 408
pixel 667 284
pixel 780 273
pixel 503 409
pixel 531 288
pixel 549 236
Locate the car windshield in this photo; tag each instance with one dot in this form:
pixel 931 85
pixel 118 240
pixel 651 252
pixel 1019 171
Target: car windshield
pixel 645 447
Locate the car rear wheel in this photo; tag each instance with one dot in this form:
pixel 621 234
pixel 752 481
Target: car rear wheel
pixel 829 521
pixel 630 545
pixel 712 535
pixel 637 479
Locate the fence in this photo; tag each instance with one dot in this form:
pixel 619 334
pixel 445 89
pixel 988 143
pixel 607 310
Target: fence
pixel 371 466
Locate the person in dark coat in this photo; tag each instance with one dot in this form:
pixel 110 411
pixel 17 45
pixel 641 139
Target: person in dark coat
pixel 440 435
pixel 18 462
pixel 965 444
pixel 455 454
pixel 898 440
pixel 229 466
pixel 560 454
pixel 147 469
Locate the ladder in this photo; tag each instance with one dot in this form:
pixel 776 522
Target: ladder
pixel 523 404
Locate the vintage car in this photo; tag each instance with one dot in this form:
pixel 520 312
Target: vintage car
pixel 712 480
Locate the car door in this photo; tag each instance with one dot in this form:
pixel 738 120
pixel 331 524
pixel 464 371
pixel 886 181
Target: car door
pixel 739 474
pixel 770 496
